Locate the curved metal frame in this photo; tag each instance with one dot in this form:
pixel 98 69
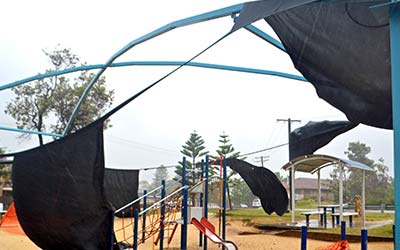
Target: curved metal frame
pixel 233 10
pixel 228 11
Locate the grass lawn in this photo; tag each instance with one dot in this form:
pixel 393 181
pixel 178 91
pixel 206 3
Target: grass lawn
pixel 254 216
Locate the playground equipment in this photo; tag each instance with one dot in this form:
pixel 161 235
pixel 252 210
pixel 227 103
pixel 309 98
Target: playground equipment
pixel 160 220
pixel 9 221
pixel 208 230
pixel 250 14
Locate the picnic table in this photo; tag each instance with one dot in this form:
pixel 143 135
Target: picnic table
pixel 325 208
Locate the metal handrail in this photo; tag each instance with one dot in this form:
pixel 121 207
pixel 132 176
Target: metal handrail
pixel 138 199
pixel 165 198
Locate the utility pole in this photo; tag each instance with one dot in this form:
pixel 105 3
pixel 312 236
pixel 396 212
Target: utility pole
pixel 263 159
pixel 289 122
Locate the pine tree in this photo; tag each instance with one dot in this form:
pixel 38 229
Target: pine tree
pixel 226 150
pixel 193 149
pixel 160 174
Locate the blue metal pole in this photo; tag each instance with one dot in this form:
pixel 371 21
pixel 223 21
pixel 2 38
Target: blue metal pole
pixel 135 229
pixel 261 34
pixel 154 63
pixel 303 238
pixel 224 186
pixel 343 230
pixel 206 198
pixel 30 131
pixel 184 207
pixel 395 62
pixel 364 239
pixel 162 215
pixel 144 216
pixel 201 202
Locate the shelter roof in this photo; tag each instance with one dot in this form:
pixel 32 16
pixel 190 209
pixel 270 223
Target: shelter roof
pixel 315 162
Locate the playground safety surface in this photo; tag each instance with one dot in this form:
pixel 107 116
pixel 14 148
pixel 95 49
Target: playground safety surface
pixel 245 237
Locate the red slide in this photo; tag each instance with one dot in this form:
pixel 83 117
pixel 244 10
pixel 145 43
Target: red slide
pixel 10 221
pixel 208 230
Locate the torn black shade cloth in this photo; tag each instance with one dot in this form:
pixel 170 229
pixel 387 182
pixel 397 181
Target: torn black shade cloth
pixel 121 187
pixel 342 47
pixel 256 10
pixel 314 135
pixel 58 192
pixel 264 184
pixel 59 188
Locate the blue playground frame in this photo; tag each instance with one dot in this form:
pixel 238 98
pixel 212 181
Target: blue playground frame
pixel 393 7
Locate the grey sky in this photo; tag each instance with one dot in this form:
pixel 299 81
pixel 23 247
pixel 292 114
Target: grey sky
pixel 151 130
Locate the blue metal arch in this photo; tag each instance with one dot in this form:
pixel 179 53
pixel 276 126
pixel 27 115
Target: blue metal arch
pixel 228 11
pixel 154 63
pixel 140 63
pixel 232 10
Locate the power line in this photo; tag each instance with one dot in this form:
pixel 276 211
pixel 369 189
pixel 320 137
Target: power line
pixel 263 150
pixel 140 145
pixel 146 168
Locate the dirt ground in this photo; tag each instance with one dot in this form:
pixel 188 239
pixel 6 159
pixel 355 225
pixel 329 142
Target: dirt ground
pixel 256 241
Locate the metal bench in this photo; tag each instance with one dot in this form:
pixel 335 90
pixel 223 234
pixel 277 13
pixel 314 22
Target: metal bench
pixel 345 214
pixel 309 213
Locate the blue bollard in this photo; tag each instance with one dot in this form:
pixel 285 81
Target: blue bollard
pixel 364 239
pixel 343 231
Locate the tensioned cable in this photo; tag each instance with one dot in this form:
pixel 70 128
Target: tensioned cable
pixel 116 109
pixel 142 146
pixel 262 150
pixel 123 104
pixel 145 168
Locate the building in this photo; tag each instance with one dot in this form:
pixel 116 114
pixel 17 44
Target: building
pixel 307 188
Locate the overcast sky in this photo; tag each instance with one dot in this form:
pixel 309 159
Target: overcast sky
pixel 150 131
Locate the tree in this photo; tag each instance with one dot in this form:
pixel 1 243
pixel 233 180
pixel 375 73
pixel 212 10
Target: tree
pixel 226 150
pixel 5 170
pixel 358 151
pixel 144 185
pixel 389 197
pixel 193 149
pixel 160 174
pixel 97 101
pixel 31 106
pixel 377 182
pixel 43 100
pixel 282 179
pixel 241 193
